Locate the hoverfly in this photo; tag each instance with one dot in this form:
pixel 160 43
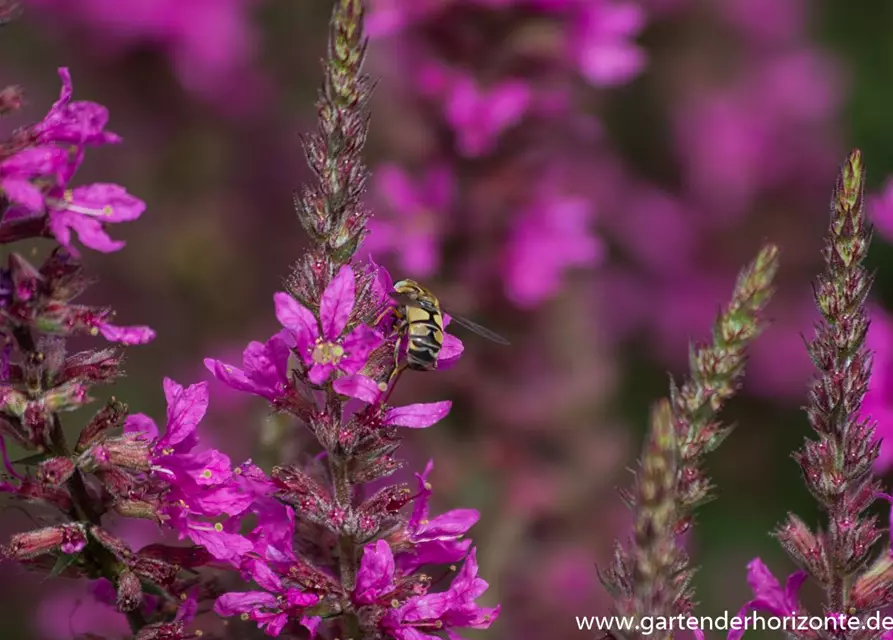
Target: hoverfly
pixel 420 322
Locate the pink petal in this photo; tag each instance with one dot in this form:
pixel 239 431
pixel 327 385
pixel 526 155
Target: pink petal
pixel 337 303
pixel 138 334
pixel 22 192
pixel 359 387
pixel 139 423
pixel 418 416
pixel 294 316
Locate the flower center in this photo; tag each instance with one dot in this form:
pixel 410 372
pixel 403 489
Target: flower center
pixel 327 353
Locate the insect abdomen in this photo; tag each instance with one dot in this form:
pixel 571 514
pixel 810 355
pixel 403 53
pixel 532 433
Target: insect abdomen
pixel 425 334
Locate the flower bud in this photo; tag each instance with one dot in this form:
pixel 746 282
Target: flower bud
pixel 165 631
pixel 12 98
pixel 91 366
pixel 66 397
pixel 55 471
pixel 874 588
pixel 804 547
pixel 124 452
pixel 155 570
pixel 387 501
pixel 12 402
pixel 130 591
pixel 111 542
pixel 302 492
pixel 111 417
pixel 26 279
pixel 138 509
pixel 69 538
pixel 186 557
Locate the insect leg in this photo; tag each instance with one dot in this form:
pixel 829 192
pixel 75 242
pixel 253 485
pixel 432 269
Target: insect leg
pixel 397 348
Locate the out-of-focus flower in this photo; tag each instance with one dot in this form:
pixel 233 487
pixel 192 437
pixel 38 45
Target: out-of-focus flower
pixel 211 43
pixel 601 41
pixel 878 403
pixel 552 235
pixel 419 214
pixel 479 116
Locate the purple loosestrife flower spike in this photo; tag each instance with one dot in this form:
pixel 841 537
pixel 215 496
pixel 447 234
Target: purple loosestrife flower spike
pixel 837 467
pixel 716 371
pixel 324 552
pixel 651 577
pixel 41 379
pixel 331 210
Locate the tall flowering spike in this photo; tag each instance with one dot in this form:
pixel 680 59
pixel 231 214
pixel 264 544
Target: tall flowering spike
pixel 656 555
pixel 716 371
pixel 651 576
pixel 330 210
pixel 837 468
pixel 326 553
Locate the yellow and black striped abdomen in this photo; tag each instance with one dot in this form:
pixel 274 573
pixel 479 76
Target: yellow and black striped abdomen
pixel 424 333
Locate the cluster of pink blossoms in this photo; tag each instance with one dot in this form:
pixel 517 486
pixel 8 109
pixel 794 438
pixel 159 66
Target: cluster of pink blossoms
pixel 324 367
pixel 390 593
pixel 486 100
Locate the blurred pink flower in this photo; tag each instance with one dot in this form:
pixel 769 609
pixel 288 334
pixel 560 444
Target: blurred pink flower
pixel 767 20
pixel 570 578
pixel 880 210
pixel 211 43
pixel 478 116
pixel 769 127
pixel 601 41
pixel 389 17
pixel 420 212
pixel 551 236
pixel 878 403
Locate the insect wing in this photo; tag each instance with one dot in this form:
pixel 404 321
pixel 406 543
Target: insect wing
pixel 478 329
pixel 404 299
pixel 408 301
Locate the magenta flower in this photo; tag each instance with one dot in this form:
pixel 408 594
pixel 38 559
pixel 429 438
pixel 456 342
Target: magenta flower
pixel 200 482
pixel 601 41
pixel 769 596
pixel 77 123
pixel 436 540
pixel 550 237
pixel 320 343
pixel 389 17
pixel 85 210
pixel 479 116
pixel 264 372
pixel 135 334
pixel 454 608
pixel 419 218
pixel 880 208
pixel 375 577
pixel 271 608
pixel 18 171
pixel 878 403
